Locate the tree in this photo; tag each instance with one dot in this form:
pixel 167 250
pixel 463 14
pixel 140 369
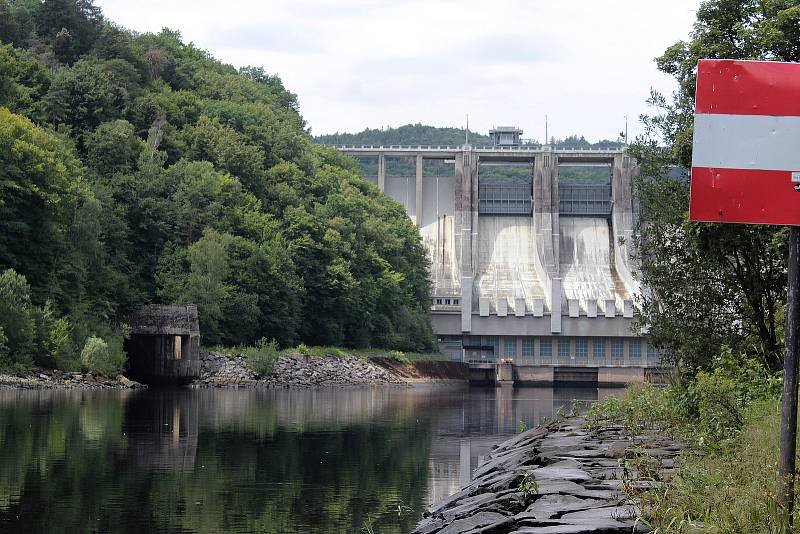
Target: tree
pixel 148 171
pixel 709 284
pixel 82 97
pixel 16 320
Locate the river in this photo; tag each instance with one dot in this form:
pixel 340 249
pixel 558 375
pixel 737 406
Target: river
pixel 281 461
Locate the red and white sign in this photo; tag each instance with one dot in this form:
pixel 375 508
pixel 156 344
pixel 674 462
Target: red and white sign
pixel 746 153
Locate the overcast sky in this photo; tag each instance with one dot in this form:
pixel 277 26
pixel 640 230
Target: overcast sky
pixel 370 63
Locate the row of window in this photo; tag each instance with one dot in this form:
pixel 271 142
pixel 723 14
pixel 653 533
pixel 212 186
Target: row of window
pixel 446 301
pixel 569 347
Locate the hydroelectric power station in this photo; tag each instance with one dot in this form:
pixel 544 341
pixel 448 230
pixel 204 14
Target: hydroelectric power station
pixel 531 277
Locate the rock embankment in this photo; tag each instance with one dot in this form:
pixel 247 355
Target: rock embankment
pixel 220 370
pixel 51 379
pixel 557 479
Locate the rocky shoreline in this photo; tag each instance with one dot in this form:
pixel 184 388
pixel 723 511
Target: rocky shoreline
pixel 293 370
pixel 558 479
pixel 53 378
pixel 221 370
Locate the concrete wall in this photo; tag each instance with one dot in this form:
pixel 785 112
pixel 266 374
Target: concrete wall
pixel 537 275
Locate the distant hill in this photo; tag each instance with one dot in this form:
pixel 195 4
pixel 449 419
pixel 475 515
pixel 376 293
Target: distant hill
pixel 410 134
pixel 421 134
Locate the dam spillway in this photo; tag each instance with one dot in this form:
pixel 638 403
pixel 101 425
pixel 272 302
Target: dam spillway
pixel 538 271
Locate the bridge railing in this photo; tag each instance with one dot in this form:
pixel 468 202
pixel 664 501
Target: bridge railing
pixel 489 148
pixel 584 200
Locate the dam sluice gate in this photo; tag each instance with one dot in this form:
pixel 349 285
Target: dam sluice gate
pixel 530 266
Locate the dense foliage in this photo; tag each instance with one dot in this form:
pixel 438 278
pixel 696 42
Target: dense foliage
pixel 409 134
pixel 731 418
pixel 136 168
pixel 710 284
pixel 421 134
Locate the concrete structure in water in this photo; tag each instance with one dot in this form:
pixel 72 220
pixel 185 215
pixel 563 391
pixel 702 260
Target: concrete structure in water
pixel 162 343
pixel 538 272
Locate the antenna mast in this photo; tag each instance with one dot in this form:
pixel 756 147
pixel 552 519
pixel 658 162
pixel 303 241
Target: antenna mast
pixel 546 138
pixel 466 132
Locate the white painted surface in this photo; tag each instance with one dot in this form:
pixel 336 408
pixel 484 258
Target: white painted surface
pixel 746 142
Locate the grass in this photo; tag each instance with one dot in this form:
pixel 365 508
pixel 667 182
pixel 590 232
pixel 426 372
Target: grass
pixel 727 490
pixel 726 482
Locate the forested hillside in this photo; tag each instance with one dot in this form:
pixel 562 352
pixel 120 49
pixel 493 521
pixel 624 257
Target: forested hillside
pixel 410 134
pixel 137 168
pixel 420 134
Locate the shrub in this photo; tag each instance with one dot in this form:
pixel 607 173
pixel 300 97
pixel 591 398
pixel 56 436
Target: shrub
pixel 261 356
pixel 103 358
pixel 3 345
pixel 708 410
pixel 54 340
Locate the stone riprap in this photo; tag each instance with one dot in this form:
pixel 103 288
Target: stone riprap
pixel 220 370
pixel 52 379
pixel 557 479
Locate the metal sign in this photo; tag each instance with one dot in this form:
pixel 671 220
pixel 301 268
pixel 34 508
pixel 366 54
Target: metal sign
pixel 746 153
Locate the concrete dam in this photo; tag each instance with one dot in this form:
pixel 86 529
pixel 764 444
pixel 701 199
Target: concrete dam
pixel 534 271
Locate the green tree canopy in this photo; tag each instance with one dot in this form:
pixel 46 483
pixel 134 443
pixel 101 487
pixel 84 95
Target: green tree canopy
pixel 710 284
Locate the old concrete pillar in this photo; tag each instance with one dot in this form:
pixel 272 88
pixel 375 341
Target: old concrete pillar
pixel 382 172
pixel 555 210
pixel 464 228
pixel 419 190
pixel 473 170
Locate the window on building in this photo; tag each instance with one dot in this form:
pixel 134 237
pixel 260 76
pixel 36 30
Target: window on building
pixel 618 348
pixel 581 348
pixel 545 348
pixel 635 348
pixel 447 301
pixel 494 342
pixel 599 347
pixel 563 348
pixel 509 347
pixel 438 301
pixel 455 301
pixel 527 347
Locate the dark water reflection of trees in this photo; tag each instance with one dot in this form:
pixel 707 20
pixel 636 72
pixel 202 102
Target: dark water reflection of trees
pixel 247 461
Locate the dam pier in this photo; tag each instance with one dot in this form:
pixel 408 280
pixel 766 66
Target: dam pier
pixel 532 272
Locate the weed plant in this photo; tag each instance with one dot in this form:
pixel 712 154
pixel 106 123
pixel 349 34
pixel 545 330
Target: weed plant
pixel 726 482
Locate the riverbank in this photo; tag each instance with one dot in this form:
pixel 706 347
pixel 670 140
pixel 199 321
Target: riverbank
pixel 559 478
pixel 297 370
pixel 53 378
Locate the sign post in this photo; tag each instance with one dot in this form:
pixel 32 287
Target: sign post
pixel 786 463
pixel 746 169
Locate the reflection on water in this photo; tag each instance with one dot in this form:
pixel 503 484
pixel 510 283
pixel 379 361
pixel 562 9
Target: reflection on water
pixel 277 461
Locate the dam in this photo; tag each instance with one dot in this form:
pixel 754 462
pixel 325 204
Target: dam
pixel 534 269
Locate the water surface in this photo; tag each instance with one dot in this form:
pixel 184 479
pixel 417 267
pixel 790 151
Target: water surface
pixel 275 461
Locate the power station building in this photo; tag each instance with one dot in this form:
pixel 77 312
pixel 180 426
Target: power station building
pixel 529 250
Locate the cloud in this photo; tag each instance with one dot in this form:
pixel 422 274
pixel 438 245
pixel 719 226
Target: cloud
pixel 368 63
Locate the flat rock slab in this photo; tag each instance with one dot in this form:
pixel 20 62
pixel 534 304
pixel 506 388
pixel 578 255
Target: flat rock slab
pixel 584 528
pixel 616 513
pixel 554 505
pixel 481 519
pixel 573 478
pixel 561 473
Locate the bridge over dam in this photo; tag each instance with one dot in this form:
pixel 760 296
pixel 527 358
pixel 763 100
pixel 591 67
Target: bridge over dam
pixel 528 268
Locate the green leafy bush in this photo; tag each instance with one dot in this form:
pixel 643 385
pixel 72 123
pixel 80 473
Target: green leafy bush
pixel 708 409
pixel 261 356
pixel 103 358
